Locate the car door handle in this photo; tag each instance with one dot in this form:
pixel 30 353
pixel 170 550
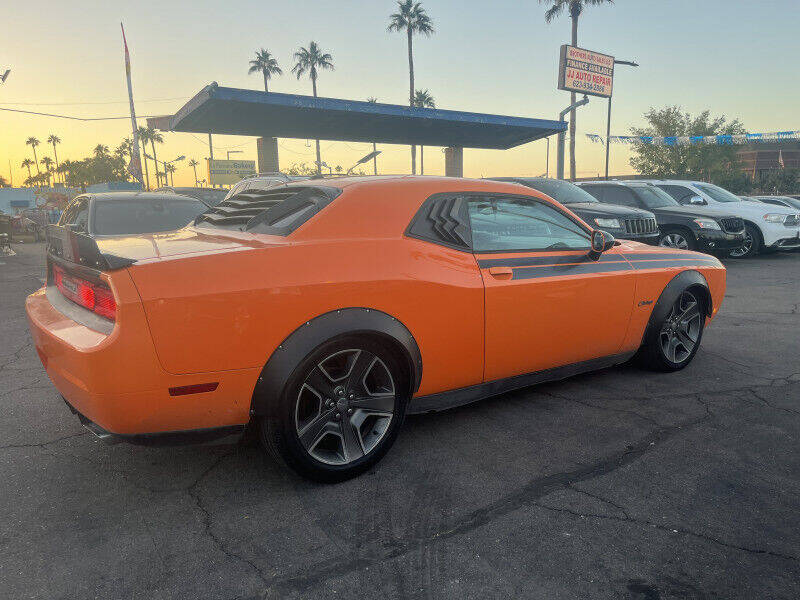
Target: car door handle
pixel 501 272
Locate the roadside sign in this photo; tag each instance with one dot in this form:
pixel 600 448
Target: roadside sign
pixel 228 172
pixel 585 72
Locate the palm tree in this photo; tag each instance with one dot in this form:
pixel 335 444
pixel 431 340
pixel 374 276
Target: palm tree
pixel 3 182
pixel 144 137
pixel 33 142
pixel 53 140
pixel 193 163
pixel 47 163
pixel 155 137
pixel 575 8
pixel 311 60
pixel 373 100
pixel 100 150
pixel 411 18
pixel 26 164
pixel 423 99
pixel 170 170
pixel 266 64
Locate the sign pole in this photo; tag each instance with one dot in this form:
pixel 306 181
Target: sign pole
pixel 608 135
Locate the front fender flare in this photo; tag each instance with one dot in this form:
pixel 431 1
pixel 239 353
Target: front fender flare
pixel 303 340
pixel 670 293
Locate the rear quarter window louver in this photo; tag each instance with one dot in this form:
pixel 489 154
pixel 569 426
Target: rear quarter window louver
pixel 275 211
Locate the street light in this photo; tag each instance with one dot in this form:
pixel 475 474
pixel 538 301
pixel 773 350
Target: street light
pixel 234 152
pixel 563 134
pixel 628 63
pixel 363 159
pixel 165 163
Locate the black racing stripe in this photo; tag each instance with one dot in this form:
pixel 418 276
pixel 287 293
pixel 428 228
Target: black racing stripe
pixel 664 256
pixel 533 261
pixel 581 269
pixel 666 264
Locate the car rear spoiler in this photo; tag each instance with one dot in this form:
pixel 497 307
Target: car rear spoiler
pixel 67 245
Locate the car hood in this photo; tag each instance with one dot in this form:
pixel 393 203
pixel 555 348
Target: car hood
pixel 611 210
pixel 745 208
pixel 694 211
pixel 188 241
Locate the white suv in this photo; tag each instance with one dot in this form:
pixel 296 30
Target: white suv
pixel 767 227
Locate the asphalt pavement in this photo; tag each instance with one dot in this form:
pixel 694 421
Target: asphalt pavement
pixel 616 484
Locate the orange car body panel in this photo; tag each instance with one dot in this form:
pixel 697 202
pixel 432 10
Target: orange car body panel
pixel 207 305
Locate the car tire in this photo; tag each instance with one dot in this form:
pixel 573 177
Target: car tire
pixel 672 343
pixel 340 411
pixel 677 238
pixel 752 243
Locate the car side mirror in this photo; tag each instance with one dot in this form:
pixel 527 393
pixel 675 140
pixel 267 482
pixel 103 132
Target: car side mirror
pixel 697 200
pixel 601 241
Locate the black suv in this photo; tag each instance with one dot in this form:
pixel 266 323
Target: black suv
pixel 622 223
pixel 686 227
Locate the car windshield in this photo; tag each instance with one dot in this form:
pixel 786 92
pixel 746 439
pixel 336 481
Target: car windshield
pixel 561 191
pixel 653 197
pixel 144 215
pixel 717 193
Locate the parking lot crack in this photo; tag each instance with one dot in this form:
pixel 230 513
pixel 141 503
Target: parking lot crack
pixel 675 530
pixel 208 520
pixel 606 408
pixel 765 402
pixel 43 444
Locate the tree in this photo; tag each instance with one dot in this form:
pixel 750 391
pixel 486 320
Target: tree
pixel 705 162
pixel 423 99
pixel 47 163
pixel 170 170
pixel 54 140
pixel 27 164
pixel 3 182
pixel 144 133
pixel 100 150
pixel 266 64
pixel 311 60
pixel 193 163
pixel 33 142
pixel 575 8
pixel 411 18
pixel 154 137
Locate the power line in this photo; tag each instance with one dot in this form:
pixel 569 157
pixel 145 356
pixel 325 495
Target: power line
pixel 41 114
pixel 90 103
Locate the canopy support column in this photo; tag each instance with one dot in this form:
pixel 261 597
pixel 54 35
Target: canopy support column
pixel 267 148
pixel 454 161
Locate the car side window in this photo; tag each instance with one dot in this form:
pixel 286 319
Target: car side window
pixel 775 202
pixel 617 194
pixel 507 223
pixel 680 193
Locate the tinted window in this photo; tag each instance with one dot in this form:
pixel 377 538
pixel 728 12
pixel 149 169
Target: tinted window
pixel 506 223
pixel 121 217
pixel 617 194
pixel 771 201
pixel 679 192
pixel 652 197
pixel 717 193
pixel 560 191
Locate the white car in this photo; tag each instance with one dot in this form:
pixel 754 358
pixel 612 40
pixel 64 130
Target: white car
pixel 767 227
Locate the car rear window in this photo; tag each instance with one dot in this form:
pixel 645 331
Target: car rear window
pixel 653 197
pixel 561 191
pixel 144 215
pixel 275 211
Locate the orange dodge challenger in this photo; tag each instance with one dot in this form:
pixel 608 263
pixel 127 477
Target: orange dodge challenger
pixel 323 311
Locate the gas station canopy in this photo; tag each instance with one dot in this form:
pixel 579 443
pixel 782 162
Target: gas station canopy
pixel 232 111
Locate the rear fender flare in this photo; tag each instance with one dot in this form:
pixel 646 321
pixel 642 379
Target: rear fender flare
pixel 670 293
pixel 303 340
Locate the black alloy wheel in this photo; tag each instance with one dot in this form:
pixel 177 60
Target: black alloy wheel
pixel 341 411
pixel 672 344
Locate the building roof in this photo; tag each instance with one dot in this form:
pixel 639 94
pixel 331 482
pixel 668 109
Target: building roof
pixel 233 111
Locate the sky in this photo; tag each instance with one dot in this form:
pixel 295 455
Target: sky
pixel 733 57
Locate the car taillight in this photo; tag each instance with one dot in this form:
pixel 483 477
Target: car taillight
pixel 95 297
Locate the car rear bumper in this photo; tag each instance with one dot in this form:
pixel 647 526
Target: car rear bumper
pixel 115 381
pixel 711 240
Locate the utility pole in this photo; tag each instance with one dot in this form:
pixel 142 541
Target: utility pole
pixel 563 134
pixel 608 122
